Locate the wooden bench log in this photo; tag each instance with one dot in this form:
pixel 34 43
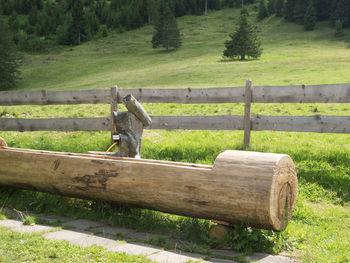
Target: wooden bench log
pixel 258 189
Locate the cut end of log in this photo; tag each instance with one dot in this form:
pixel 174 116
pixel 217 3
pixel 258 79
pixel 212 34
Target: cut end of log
pixel 258 174
pixel 283 193
pixel 3 144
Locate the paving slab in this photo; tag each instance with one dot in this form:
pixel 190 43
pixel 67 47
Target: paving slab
pixel 10 223
pixel 226 253
pixel 32 228
pixel 113 231
pixel 218 260
pixel 136 249
pixel 266 258
pixel 96 241
pixel 66 235
pixel 172 257
pixel 83 224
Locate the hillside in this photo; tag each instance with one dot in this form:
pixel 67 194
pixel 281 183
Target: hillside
pixel 291 56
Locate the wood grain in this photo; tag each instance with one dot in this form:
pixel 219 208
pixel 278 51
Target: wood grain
pixel 45 97
pixel 316 123
pixel 61 124
pixel 248 93
pixel 329 93
pixel 241 187
pixel 228 122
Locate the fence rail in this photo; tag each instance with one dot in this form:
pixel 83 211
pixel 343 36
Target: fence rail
pixel 336 93
pixel 333 93
pixel 316 123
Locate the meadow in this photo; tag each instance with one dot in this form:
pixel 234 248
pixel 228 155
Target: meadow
pixel 320 228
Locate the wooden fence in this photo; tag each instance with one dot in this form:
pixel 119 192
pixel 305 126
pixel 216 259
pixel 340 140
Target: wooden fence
pixel 335 93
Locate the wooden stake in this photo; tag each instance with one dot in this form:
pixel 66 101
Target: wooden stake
pixel 114 108
pixel 247 121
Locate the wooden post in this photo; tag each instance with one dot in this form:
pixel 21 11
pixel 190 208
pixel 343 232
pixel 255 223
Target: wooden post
pixel 247 121
pixel 114 108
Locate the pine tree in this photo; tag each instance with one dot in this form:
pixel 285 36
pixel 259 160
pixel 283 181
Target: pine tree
pixel 33 16
pixel 167 33
pixel 279 8
pixel 289 10
pixel 299 10
pixel 310 17
pixel 322 8
pixel 263 13
pixel 244 41
pixel 13 22
pixel 271 7
pixel 77 26
pixel 340 10
pixel 338 28
pixel 9 62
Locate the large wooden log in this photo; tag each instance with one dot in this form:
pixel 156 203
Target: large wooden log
pixel 259 189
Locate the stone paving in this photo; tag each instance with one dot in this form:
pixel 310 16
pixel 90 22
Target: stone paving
pixel 121 240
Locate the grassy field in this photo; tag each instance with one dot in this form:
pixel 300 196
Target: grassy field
pixel 320 228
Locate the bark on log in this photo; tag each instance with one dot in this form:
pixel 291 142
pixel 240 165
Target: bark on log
pixel 259 189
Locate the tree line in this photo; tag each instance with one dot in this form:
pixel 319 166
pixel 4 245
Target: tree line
pixel 40 23
pixel 308 12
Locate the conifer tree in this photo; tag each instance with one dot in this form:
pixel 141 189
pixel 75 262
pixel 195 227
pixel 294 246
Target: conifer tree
pixel 77 24
pixel 289 10
pixel 338 28
pixel 167 33
pixel 322 8
pixel 340 10
pixel 271 7
pixel 310 17
pixel 13 21
pixel 9 61
pixel 262 10
pixel 244 41
pixel 299 10
pixel 279 8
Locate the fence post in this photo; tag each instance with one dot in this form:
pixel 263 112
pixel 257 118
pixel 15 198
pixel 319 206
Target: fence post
pixel 247 121
pixel 114 108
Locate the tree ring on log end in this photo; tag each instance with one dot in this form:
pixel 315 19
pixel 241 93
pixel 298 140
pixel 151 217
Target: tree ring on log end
pixel 3 144
pixel 283 193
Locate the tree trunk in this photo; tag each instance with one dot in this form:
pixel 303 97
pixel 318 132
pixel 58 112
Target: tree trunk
pixel 241 187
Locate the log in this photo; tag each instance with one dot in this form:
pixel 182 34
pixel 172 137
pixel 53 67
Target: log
pixel 258 189
pixel 136 108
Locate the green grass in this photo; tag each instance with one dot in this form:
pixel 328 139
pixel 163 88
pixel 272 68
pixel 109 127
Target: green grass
pixel 16 247
pixel 291 56
pixel 320 228
pixel 28 220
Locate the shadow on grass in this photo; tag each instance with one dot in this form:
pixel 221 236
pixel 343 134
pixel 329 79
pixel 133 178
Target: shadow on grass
pixel 230 60
pixel 191 230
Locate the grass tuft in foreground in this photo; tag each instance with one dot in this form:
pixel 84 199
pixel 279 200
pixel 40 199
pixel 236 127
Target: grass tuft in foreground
pixel 16 247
